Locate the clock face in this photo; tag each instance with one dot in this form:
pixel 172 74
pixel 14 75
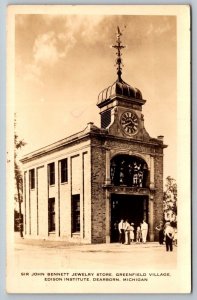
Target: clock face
pixel 129 122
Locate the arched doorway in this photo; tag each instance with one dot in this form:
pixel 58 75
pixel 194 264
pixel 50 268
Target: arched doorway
pixel 131 174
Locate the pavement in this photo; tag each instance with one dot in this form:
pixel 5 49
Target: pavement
pixel 50 254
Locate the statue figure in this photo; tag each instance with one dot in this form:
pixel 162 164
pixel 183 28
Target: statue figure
pixel 140 178
pixel 122 172
pixel 112 170
pixel 135 175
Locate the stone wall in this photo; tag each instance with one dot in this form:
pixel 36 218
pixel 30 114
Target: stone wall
pixel 158 196
pixel 98 162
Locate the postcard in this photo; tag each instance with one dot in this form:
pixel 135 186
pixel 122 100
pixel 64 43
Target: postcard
pixel 98 149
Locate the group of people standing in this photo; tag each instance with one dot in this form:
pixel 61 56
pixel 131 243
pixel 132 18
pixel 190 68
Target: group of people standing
pixel 127 233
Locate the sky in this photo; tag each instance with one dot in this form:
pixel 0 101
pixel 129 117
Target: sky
pixel 62 62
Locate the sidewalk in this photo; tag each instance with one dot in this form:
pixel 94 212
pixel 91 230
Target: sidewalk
pixel 65 244
pixel 50 254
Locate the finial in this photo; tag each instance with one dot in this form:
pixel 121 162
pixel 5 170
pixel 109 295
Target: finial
pixel 119 47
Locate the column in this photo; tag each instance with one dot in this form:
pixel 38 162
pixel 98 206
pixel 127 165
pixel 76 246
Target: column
pixel 150 217
pixel 25 203
pixel 107 174
pixel 108 216
pixel 152 172
pixel 151 199
pixel 57 199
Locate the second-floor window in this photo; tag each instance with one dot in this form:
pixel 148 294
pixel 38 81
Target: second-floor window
pixel 51 169
pixel 32 179
pixel 64 170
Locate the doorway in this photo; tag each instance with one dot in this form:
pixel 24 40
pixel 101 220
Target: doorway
pixel 134 208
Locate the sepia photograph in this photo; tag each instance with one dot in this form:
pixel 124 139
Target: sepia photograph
pixel 98 149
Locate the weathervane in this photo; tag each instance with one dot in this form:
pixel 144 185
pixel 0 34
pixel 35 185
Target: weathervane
pixel 118 46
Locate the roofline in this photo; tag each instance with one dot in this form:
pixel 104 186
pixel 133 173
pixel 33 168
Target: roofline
pixel 54 146
pixel 90 130
pixel 119 97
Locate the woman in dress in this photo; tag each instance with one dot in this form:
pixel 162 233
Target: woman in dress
pixel 138 235
pixel 132 232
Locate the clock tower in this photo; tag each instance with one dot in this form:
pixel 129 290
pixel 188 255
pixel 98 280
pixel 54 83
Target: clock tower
pixel 128 159
pixel 121 104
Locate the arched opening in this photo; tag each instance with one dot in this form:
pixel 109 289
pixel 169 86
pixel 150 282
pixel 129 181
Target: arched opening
pixel 129 170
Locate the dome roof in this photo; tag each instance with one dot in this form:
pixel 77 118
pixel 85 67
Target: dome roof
pixel 119 88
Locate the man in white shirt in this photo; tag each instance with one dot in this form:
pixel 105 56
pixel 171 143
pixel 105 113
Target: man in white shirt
pixel 169 235
pixel 121 231
pixel 144 230
pixel 127 232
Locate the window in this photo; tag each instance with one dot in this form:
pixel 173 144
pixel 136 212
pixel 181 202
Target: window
pixel 32 179
pixel 75 213
pixel 51 214
pixel 51 168
pixel 64 170
pixel 129 170
pixel 105 118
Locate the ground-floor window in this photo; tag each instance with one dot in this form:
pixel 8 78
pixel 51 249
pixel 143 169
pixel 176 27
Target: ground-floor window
pixel 51 214
pixel 75 213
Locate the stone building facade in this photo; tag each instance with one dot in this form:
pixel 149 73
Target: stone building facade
pixel 78 189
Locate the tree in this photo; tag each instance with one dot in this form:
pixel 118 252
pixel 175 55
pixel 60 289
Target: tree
pixel 18 144
pixel 170 200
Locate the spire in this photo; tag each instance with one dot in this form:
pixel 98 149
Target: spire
pixel 118 46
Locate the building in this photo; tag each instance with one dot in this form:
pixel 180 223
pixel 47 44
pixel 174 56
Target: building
pixel 78 188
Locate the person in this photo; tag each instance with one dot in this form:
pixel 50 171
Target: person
pixel 132 232
pixel 160 228
pixel 144 230
pixel 121 231
pixel 169 235
pixel 127 232
pixel 138 235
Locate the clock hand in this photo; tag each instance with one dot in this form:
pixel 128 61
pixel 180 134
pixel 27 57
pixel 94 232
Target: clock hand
pixel 129 123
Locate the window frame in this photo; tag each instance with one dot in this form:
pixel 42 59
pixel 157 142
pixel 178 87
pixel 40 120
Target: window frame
pixel 51 215
pixel 51 173
pixel 76 214
pixel 63 171
pixel 32 179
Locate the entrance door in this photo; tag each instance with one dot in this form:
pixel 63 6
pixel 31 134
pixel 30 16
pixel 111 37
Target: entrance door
pixel 132 208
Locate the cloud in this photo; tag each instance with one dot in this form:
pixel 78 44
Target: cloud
pixel 44 49
pixel 158 30
pixel 86 27
pixel 50 47
pixel 56 38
